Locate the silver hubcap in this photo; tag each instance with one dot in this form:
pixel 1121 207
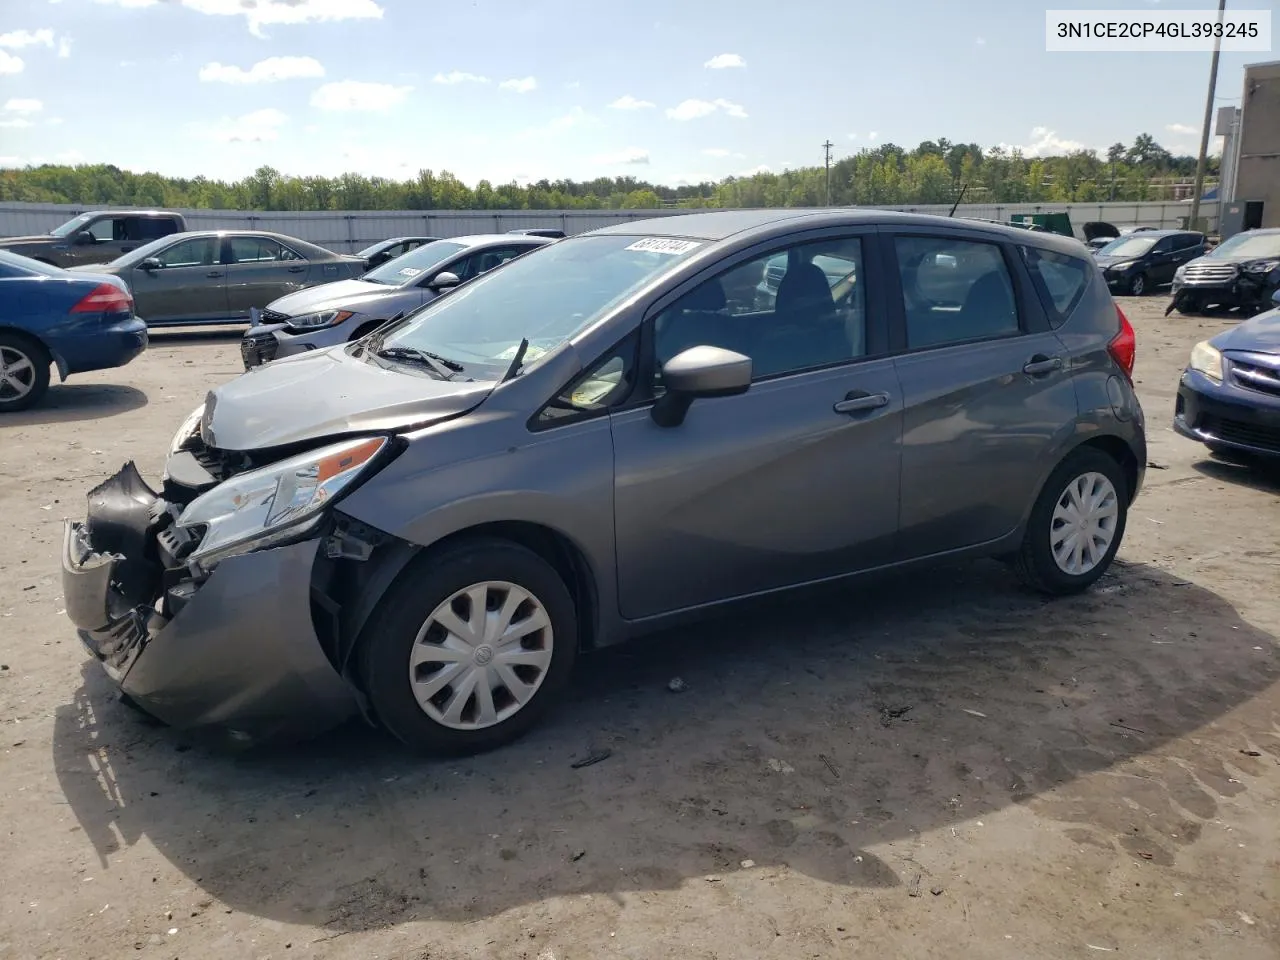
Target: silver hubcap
pixel 1139 285
pixel 17 374
pixel 481 655
pixel 1084 523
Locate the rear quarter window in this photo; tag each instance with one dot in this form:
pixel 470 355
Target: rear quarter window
pixel 1059 279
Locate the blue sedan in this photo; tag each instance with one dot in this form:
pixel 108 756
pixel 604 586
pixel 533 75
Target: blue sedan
pixel 52 317
pixel 1229 397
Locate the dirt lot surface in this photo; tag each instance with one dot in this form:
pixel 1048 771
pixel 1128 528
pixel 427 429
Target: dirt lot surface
pixel 939 766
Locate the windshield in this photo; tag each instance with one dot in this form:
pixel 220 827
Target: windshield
pixel 28 266
pixel 1127 247
pixel 138 254
pixel 408 267
pixel 546 296
pixel 1249 245
pixel 373 248
pixel 71 226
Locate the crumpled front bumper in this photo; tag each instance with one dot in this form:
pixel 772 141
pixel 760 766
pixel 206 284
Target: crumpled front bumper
pixel 235 654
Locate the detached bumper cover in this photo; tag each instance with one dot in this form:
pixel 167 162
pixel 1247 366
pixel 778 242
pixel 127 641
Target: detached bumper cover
pixel 1244 290
pixel 236 653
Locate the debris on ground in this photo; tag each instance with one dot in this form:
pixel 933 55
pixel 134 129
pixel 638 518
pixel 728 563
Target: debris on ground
pixel 975 713
pixel 1252 753
pixel 677 685
pixel 780 766
pixel 830 766
pixel 913 888
pixel 936 891
pixel 595 756
pixel 890 714
pixel 747 864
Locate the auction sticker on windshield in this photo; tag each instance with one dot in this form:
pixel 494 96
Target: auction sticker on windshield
pixel 664 245
pixel 409 271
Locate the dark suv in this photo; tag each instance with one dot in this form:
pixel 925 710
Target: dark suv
pixel 595 441
pixel 1139 262
pixel 97 237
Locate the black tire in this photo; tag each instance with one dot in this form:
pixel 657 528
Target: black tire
pixel 1189 305
pixel 14 349
pixel 1035 563
pixel 427 583
pixel 1138 285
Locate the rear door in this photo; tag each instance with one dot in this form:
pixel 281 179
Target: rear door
pixel 188 286
pixel 985 385
pixel 260 269
pixel 793 481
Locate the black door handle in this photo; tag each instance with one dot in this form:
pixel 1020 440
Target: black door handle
pixel 297 269
pixel 1040 364
pixel 214 273
pixel 859 401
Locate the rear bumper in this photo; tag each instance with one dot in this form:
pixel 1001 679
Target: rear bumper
pixel 110 346
pixel 1224 416
pixel 235 654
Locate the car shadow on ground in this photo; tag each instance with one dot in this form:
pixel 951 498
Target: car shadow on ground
pixel 73 402
pixel 1260 474
pixel 808 730
pixel 178 336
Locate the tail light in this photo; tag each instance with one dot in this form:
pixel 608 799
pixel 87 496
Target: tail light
pixel 105 298
pixel 1124 345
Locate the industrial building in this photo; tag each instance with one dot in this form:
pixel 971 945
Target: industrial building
pixel 1250 187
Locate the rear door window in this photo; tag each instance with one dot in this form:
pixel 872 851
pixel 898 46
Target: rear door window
pixel 150 228
pixel 1060 281
pixel 955 291
pixel 259 250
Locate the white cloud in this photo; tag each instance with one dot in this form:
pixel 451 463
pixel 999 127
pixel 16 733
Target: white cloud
pixel 15 122
pixel 715 152
pixel 980 42
pixel 694 109
pixel 763 168
pixel 559 124
pixel 1181 128
pixel 458 76
pixel 264 71
pixel 628 102
pixel 257 127
pixel 262 13
pixel 64 47
pixel 67 156
pixel 17 39
pixel 21 105
pixel 723 60
pixel 359 95
pixel 521 85
pixel 10 64
pixel 1045 143
pixel 54 121
pixel 872 135
pixel 629 156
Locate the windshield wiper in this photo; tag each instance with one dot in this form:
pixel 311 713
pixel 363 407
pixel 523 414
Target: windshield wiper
pixel 443 367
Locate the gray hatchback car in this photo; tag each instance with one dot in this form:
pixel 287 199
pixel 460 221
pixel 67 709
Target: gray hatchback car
pixel 605 436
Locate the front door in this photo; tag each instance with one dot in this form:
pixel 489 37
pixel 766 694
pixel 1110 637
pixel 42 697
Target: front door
pixel 986 390
pixel 109 242
pixel 189 285
pixel 794 481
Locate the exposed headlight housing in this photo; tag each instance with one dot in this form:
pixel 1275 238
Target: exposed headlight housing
pixel 190 427
pixel 1180 272
pixel 321 318
pixel 275 504
pixel 1120 267
pixel 1261 266
pixel 1207 359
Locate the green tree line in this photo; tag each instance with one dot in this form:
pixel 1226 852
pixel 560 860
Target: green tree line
pixel 936 171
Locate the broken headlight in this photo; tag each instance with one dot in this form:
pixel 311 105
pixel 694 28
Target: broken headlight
pixel 190 427
pixel 266 507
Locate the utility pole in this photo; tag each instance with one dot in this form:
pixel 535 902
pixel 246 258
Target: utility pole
pixel 827 149
pixel 1208 118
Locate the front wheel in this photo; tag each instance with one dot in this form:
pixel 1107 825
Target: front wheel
pixel 1076 525
pixel 470 647
pixel 1189 305
pixel 1138 285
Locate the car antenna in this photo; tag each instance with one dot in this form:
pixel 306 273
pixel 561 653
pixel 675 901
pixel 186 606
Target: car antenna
pixel 515 361
pixel 963 188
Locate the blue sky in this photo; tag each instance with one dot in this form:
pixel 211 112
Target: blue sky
pixel 665 90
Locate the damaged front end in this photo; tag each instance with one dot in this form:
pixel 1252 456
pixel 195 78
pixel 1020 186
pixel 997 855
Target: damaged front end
pixel 197 599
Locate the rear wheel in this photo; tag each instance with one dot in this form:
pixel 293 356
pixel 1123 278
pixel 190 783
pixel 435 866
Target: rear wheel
pixel 1076 524
pixel 24 372
pixel 470 647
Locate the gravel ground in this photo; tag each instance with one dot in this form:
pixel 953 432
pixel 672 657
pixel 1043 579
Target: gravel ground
pixel 938 766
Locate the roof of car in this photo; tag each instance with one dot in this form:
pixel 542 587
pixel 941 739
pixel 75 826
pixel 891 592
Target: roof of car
pixel 477 239
pixel 723 224
pixel 1158 233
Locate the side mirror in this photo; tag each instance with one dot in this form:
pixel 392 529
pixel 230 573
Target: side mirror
pixel 1275 298
pixel 151 263
pixel 700 371
pixel 84 238
pixel 444 281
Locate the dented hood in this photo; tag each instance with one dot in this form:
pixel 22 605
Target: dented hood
pixel 327 393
